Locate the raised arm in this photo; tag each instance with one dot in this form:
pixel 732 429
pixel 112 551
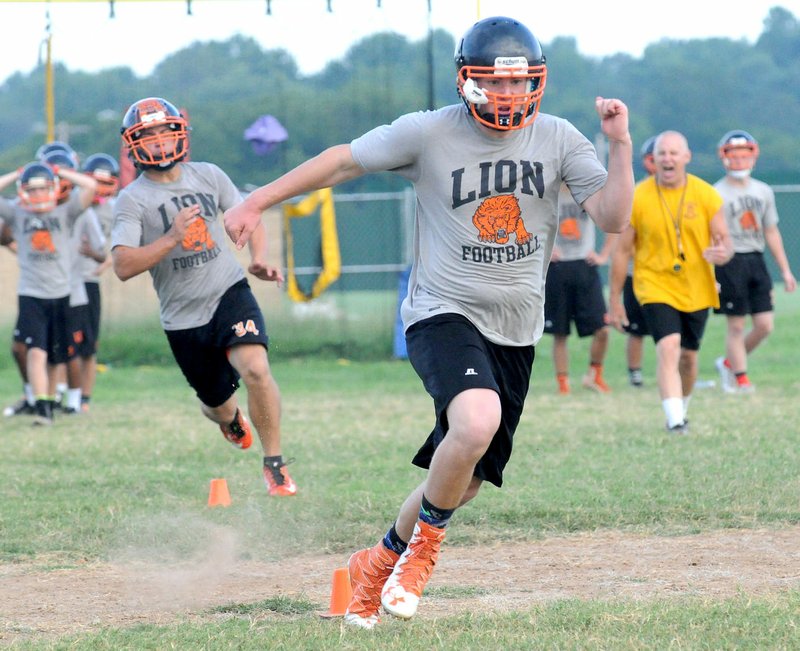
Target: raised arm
pixel 333 166
pixel 610 207
pixel 8 178
pixel 87 184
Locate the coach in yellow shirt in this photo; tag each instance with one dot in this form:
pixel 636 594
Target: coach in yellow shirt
pixel 677 233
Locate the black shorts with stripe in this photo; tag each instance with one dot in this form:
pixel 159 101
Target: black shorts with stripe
pixel 573 293
pixel 202 352
pixel 43 323
pixel 663 320
pixel 450 355
pixel 745 285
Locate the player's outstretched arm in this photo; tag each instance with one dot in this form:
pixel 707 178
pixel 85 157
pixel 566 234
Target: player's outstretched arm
pixel 610 207
pixel 333 166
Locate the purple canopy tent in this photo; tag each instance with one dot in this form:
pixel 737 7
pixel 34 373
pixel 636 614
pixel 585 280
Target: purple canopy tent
pixel 264 134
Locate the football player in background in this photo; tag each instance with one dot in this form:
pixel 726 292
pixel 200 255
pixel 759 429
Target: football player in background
pixel 169 222
pixel 105 170
pixel 41 227
pixel 745 283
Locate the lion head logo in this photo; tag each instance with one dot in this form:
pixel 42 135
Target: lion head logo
pixel 569 229
pixel 497 217
pixel 748 222
pixel 197 237
pixel 42 241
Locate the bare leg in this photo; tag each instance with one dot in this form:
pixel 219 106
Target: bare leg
pixel 599 346
pixel 263 394
pixel 560 355
pixel 634 351
pixel 474 416
pixel 668 354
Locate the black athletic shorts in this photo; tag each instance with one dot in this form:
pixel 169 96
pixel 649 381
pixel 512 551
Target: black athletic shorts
pixel 573 292
pixel 202 352
pixel 637 325
pixel 663 320
pixel 42 323
pixel 450 356
pixel 745 285
pixel 95 309
pixel 80 334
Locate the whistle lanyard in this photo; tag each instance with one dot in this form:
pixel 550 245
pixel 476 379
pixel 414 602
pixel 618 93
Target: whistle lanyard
pixel 677 218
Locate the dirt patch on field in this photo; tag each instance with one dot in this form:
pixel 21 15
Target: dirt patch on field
pixel 46 603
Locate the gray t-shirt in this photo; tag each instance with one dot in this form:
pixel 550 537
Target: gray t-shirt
pixel 748 209
pixel 486 214
pixel 104 213
pixel 44 249
pixel 576 232
pixel 191 280
pixel 86 227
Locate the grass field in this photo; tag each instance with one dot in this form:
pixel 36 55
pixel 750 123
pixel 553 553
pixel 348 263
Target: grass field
pixel 126 486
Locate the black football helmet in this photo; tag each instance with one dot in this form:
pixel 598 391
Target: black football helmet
pixel 105 170
pixel 503 47
pixel 57 145
pixel 160 151
pixel 37 187
pixel 59 159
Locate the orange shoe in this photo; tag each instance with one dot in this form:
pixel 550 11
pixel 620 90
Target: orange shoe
pixel 402 591
pixel 278 481
pixel 238 432
pixel 743 384
pixel 563 384
pixel 369 569
pixel 593 380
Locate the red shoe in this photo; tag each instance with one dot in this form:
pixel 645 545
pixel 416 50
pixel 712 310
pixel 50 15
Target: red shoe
pixel 369 569
pixel 402 591
pixel 278 481
pixel 238 432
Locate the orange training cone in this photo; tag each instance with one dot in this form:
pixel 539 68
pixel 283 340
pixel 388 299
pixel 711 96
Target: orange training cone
pixel 218 494
pixel 341 593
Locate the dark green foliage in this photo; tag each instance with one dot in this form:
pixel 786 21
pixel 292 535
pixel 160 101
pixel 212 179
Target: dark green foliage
pixel 700 87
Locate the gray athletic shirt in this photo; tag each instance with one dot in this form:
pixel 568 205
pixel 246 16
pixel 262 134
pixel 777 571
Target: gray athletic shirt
pixel 486 213
pixel 191 280
pixel 44 250
pixel 86 227
pixel 576 232
pixel 748 210
pixel 104 214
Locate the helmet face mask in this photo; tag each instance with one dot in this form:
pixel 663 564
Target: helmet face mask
pixel 738 151
pixel 37 188
pixel 105 170
pixel 501 73
pixel 156 133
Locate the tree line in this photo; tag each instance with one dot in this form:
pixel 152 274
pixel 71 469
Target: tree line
pixel 701 87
